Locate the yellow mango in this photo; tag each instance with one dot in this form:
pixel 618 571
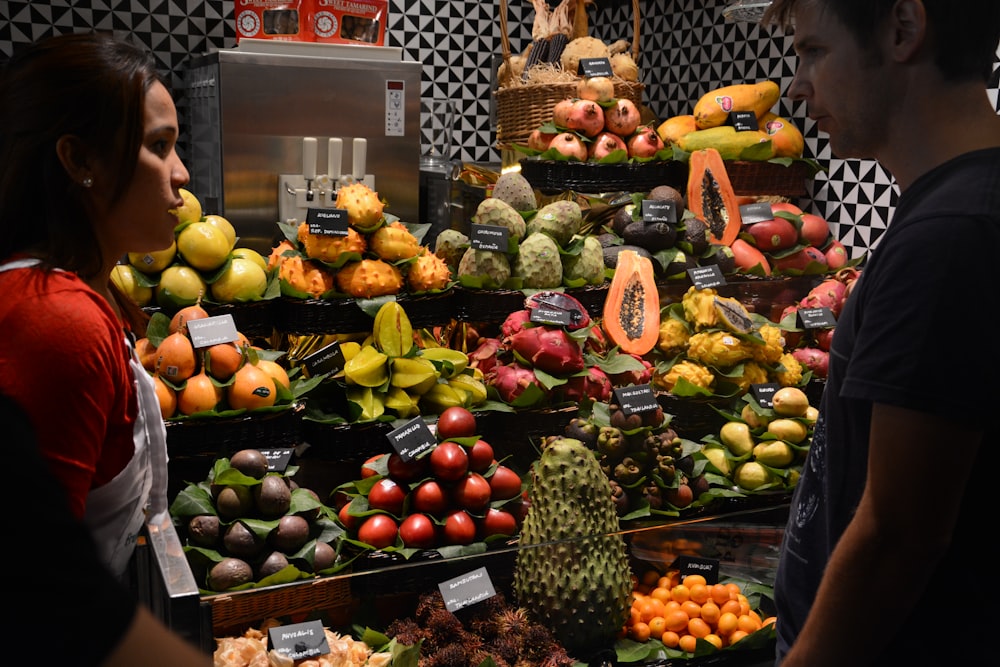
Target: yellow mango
pixel 785 136
pixel 672 129
pixel 714 107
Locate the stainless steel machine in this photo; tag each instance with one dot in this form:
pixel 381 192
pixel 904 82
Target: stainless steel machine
pixel 261 111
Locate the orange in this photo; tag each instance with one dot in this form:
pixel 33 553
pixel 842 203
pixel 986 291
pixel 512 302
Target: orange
pixel 662 594
pixel 770 620
pixel 639 632
pixel 676 620
pixel 736 636
pixel 720 594
pixel 657 626
pixel 692 579
pixel 634 616
pixel 691 608
pixel 650 577
pixel 223 360
pixel 276 371
pixel 749 624
pixel 665 582
pixel 727 623
pixel 688 643
pixel 731 606
pixel 252 388
pixel 166 397
pixel 698 627
pixel 672 604
pixel 710 612
pixel 199 394
pixel 700 593
pixel 744 605
pixel 714 640
pixel 670 639
pixel 681 593
pixel 734 589
pixel 650 608
pixel 175 358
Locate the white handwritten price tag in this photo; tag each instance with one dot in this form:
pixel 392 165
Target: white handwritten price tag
pixel 467 589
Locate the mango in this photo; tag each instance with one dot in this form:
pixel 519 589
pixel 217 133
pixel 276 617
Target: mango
pixel 714 107
pixel 675 127
pixel 786 139
pixel 729 142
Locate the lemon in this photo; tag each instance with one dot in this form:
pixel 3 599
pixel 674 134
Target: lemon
pixel 203 246
pixel 179 286
pixel 190 211
pixel 226 227
pixel 123 276
pixel 243 280
pixel 153 262
pixel 251 254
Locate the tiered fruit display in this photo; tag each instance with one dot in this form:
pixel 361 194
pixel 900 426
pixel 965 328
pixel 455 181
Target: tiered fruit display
pixel 246 527
pixel 222 379
pixel 390 376
pixel 379 256
pixel 762 449
pixel 204 264
pixel 448 498
pixel 706 126
pixel 686 614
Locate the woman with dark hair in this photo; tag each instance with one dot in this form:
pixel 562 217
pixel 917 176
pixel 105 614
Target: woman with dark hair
pixel 88 172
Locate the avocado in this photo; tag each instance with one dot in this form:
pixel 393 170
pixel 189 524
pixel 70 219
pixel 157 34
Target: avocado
pixel 668 193
pixel 229 573
pixel 653 236
pixel 695 235
pixel 622 218
pixel 611 254
pixel 324 557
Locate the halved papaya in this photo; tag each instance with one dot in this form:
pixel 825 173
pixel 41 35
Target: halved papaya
pixel 711 197
pixel 632 306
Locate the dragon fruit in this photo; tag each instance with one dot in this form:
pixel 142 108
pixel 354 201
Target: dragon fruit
pixel 549 349
pixel 814 359
pixel 514 322
pixel 511 380
pixel 641 375
pixel 591 384
pixel 828 294
pixel 485 355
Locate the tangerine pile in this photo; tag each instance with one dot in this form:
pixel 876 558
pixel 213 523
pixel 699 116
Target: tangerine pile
pixel 678 611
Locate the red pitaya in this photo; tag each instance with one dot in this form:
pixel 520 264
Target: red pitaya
pixel 549 349
pixel 637 376
pixel 514 322
pixel 828 294
pixel 592 384
pixel 510 381
pixel 814 359
pixel 597 342
pixel 484 357
pixel 823 338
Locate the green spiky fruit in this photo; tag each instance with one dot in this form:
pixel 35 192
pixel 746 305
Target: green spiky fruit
pixel 577 580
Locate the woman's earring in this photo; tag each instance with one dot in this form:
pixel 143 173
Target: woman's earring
pixel 87 182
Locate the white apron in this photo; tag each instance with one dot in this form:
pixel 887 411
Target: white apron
pixel 117 510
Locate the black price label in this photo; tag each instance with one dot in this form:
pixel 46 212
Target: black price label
pixel 213 330
pixel 489 237
pixel 277 459
pixel 704 277
pixel 817 318
pixel 327 221
pixel 706 567
pixel 591 67
pixel 743 121
pixel 757 212
pixel 467 589
pixel 300 640
pixel 556 316
pixel 412 439
pixel 659 211
pixel 636 399
pixel 764 393
pixel 329 359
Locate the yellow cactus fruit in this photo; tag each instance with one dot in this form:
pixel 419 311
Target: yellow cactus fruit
pixel 364 208
pixel 306 276
pixel 394 242
pixel 328 247
pixel 277 255
pixel 428 272
pixel 369 278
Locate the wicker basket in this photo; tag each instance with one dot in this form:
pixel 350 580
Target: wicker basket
pixel 236 611
pixel 522 109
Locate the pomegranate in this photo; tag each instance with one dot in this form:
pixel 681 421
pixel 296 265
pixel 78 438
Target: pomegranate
pixel 596 88
pixel 561 112
pixel 645 143
pixel 623 118
pixel 570 145
pixel 586 117
pixel 606 143
pixel 539 140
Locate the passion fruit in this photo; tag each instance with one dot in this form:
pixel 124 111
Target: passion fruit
pixel 250 462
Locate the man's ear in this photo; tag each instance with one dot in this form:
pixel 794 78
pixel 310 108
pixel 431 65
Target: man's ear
pixel 908 22
pixel 73 156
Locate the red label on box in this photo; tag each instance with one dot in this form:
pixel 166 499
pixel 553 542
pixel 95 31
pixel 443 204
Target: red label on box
pixel 282 20
pixel 326 21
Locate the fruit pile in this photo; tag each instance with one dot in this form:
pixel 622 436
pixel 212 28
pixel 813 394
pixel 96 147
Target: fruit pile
pixel 706 126
pixel 763 448
pixel 208 380
pixel 378 256
pixel 203 264
pixel 245 525
pixel 681 612
pixel 454 494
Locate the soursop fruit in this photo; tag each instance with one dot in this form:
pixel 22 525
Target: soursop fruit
pixel 576 579
pixel 588 265
pixel 513 188
pixel 559 219
pixel 450 245
pixel 486 269
pixel 538 262
pixel 497 212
